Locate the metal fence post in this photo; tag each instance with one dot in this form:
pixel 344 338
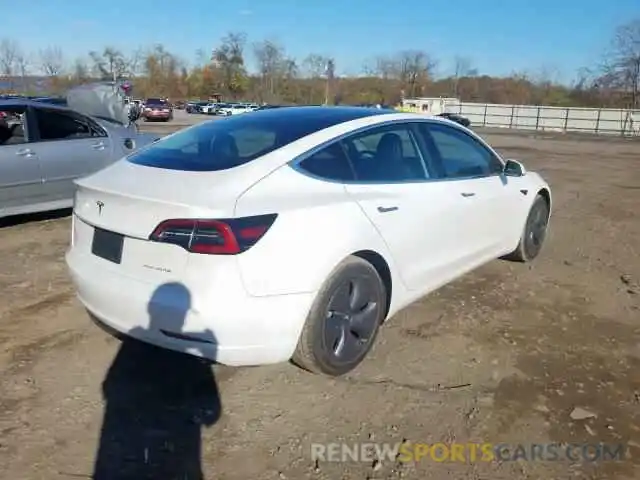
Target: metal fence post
pixel 537 118
pixel 624 125
pixel 566 120
pixel 513 112
pixel 598 120
pixel 484 119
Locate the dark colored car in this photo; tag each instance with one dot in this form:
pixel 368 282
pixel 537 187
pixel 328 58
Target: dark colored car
pixel 268 107
pixel 454 117
pixel 157 109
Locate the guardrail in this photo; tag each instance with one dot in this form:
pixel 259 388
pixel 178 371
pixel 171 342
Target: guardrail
pixel 559 119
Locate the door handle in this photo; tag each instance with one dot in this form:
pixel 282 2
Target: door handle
pixel 387 209
pixel 467 194
pixel 25 152
pixel 98 146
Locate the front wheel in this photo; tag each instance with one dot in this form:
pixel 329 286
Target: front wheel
pixel 534 233
pixel 344 320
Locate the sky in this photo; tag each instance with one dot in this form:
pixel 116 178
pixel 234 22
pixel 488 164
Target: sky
pixel 498 36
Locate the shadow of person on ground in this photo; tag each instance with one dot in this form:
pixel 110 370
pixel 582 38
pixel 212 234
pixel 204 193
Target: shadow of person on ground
pixel 157 401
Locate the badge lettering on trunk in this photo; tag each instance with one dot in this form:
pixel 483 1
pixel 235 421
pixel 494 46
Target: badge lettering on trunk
pixel 100 205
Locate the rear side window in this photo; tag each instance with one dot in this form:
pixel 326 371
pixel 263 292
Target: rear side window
pixel 64 125
pixel 234 141
pixel 330 163
pixel 198 149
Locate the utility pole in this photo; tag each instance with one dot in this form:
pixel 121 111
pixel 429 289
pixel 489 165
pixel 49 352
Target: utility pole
pixel 330 72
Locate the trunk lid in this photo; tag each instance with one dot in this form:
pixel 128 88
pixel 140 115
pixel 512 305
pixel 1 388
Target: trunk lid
pixel 129 201
pixel 132 199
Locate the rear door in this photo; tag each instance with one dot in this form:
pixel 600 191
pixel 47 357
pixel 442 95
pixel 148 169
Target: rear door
pixel 20 176
pixel 419 219
pixel 69 146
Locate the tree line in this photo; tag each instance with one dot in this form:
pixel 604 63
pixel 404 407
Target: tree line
pixel 279 78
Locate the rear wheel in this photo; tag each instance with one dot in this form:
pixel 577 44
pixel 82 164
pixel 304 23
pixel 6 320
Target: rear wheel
pixel 344 320
pixel 534 233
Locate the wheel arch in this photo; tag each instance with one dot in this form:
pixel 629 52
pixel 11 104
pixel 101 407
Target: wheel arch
pixel 546 194
pixel 382 267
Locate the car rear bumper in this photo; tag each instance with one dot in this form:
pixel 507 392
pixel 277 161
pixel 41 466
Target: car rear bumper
pixel 157 115
pixel 232 328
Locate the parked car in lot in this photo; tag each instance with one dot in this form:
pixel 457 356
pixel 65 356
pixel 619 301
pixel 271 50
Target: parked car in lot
pixel 454 117
pixel 268 107
pixel 295 232
pixel 195 107
pixel 157 109
pixel 44 147
pixel 210 108
pixel 236 109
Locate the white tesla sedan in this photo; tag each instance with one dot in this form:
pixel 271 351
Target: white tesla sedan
pixel 294 233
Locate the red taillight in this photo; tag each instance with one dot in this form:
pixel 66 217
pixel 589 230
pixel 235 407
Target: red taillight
pixel 213 237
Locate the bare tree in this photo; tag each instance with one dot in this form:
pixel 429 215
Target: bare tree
pixel 270 57
pixel 461 68
pixel 80 71
pixel 22 67
pixel 9 51
pixel 202 58
pixel 110 64
pixel 134 62
pixel 622 68
pixel 315 65
pixel 412 68
pixel 51 61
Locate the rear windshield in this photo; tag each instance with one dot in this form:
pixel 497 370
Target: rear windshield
pixel 228 143
pixel 155 101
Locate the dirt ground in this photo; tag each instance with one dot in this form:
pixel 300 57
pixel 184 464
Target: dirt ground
pixel 503 355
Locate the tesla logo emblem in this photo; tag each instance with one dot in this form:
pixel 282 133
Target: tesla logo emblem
pixel 100 205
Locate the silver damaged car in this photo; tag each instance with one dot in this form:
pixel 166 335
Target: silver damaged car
pixel 45 147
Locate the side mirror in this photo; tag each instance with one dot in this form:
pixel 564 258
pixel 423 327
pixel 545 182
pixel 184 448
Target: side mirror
pixel 514 168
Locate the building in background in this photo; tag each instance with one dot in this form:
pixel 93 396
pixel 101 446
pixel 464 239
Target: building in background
pixel 429 105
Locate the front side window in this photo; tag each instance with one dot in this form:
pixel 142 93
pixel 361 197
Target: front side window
pixel 13 128
pixel 460 155
pixel 386 154
pixel 62 125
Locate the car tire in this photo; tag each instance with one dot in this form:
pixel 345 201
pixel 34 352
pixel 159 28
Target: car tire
pixel 336 337
pixel 533 234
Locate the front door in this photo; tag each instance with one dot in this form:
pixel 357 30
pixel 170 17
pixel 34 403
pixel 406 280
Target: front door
pixel 20 175
pixel 474 172
pixel 418 219
pixel 70 146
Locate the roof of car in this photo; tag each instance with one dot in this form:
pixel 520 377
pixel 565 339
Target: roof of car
pixel 24 102
pixel 330 115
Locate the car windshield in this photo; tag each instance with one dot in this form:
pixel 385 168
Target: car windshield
pixel 234 141
pixel 155 101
